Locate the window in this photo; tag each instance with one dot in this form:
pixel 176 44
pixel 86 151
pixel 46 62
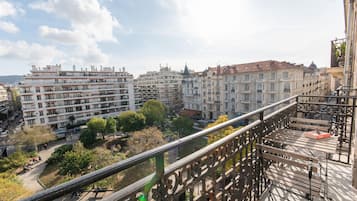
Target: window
pixel 287 87
pixel 38 97
pixel 42 120
pixel 41 113
pixel 272 97
pixel 246 77
pixel 272 86
pixel 261 76
pixel 38 89
pixel 225 87
pixel 246 87
pixel 234 77
pixel 87 107
pixel 259 87
pixel 246 107
pixel 285 75
pixel 246 97
pixel 226 106
pixel 39 105
pixel 273 75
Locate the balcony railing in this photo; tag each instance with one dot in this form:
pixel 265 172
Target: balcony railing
pixel 227 169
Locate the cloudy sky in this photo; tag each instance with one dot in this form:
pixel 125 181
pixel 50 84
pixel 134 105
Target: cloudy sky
pixel 142 34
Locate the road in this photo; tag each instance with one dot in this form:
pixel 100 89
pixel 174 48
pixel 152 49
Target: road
pixel 29 179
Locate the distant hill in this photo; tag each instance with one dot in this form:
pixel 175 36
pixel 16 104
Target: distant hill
pixel 11 79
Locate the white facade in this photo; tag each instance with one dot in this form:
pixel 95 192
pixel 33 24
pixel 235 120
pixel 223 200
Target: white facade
pixel 4 102
pixel 239 89
pixel 51 96
pixel 164 85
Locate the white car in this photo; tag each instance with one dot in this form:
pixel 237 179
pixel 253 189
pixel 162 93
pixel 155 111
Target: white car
pixel 5 132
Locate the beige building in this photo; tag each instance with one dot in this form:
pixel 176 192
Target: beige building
pixel 163 85
pixel 4 102
pixel 52 96
pixel 239 89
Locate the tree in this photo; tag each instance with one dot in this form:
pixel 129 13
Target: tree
pixel 76 161
pixel 14 161
pixel 144 140
pixel 33 136
pixel 59 153
pixel 154 111
pixel 88 137
pixel 71 119
pixel 97 125
pixel 182 125
pixel 221 133
pixel 111 126
pixel 11 188
pixel 131 121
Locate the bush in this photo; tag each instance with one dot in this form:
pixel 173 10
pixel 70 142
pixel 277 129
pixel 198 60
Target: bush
pixel 59 153
pixel 88 138
pixel 131 121
pixel 17 159
pixel 76 161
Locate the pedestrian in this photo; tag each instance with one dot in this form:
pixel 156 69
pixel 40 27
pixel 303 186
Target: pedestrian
pixel 39 158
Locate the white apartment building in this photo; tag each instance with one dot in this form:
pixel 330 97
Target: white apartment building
pixel 238 89
pixel 4 102
pixel 164 85
pixel 56 97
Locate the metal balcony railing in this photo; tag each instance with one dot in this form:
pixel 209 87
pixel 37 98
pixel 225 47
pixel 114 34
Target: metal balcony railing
pixel 227 169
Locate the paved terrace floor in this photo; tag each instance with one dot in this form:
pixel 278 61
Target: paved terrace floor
pixel 339 187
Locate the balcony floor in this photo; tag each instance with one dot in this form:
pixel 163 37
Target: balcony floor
pixel 339 187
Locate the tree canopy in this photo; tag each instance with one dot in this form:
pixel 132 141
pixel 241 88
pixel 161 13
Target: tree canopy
pixel 182 125
pixel 221 133
pixel 111 126
pixel 154 111
pixel 97 125
pixel 88 137
pixel 131 121
pixel 76 161
pixel 144 140
pixel 33 136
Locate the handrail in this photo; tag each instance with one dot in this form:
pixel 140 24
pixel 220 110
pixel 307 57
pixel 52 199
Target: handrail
pixel 62 189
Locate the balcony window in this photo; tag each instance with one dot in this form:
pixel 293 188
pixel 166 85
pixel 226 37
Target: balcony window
pixel 246 77
pixel 261 76
pixel 272 86
pixel 246 97
pixel 285 75
pixel 273 75
pixel 259 87
pixel 246 87
pixel 287 87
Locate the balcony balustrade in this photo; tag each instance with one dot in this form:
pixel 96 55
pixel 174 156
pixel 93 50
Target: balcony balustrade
pixel 227 169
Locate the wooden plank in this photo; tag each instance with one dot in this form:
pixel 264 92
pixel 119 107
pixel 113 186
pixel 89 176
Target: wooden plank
pixel 332 141
pixel 298 181
pixel 305 126
pixel 294 184
pixel 286 152
pixel 321 142
pixel 287 161
pixel 311 121
pixel 298 174
pixel 325 150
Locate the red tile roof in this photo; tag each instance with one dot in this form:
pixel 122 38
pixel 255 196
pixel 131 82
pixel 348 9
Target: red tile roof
pixel 254 67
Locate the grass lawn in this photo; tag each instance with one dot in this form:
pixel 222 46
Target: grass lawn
pixel 51 177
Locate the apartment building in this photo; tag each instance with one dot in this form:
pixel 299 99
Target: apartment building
pixel 4 102
pixel 56 97
pixel 164 85
pixel 238 89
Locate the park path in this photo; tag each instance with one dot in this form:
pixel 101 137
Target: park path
pixel 29 179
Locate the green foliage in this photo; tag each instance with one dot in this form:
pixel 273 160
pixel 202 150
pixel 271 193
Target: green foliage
pixel 154 111
pixel 111 126
pixel 131 121
pixel 88 137
pixel 76 161
pixel 59 153
pixel 17 159
pixel 182 125
pixel 97 125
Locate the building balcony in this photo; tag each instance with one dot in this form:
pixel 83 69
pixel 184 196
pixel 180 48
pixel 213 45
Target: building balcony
pixel 247 167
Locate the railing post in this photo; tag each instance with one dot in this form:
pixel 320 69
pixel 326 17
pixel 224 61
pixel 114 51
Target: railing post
pixel 156 180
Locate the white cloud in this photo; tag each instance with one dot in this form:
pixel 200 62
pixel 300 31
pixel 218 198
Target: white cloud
pixel 31 52
pixel 8 27
pixel 90 23
pixel 7 9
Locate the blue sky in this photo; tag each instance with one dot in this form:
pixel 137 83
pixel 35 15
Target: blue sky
pixel 142 34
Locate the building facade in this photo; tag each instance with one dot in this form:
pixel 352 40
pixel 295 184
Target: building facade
pixel 55 97
pixel 4 102
pixel 237 89
pixel 164 85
